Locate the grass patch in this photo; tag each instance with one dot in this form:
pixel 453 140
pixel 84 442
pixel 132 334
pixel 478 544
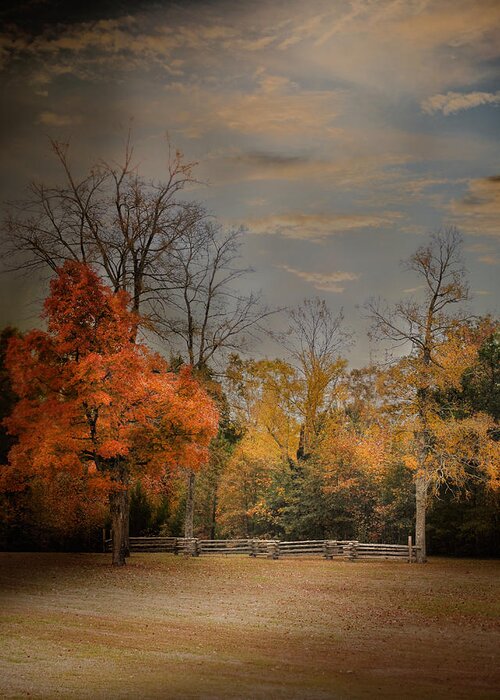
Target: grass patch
pixel 222 627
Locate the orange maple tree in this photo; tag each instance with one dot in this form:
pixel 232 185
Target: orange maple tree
pixel 95 404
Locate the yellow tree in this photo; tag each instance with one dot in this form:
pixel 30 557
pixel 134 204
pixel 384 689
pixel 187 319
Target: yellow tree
pixel 314 340
pixel 438 446
pixel 355 453
pixel 262 394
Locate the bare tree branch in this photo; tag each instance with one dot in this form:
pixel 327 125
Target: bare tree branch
pixel 422 325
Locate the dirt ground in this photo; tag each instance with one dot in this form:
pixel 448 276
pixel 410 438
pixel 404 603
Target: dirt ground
pixel 71 626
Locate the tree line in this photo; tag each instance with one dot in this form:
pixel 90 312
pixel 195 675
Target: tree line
pixel 98 428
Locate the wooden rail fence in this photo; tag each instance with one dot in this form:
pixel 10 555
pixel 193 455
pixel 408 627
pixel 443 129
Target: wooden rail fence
pixel 350 550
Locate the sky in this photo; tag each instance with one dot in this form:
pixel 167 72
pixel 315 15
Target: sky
pixel 339 134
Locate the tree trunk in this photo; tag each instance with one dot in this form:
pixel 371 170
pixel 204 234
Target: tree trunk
pixel 127 523
pixel 421 487
pixel 424 437
pixel 214 515
pixel 118 507
pixel 189 517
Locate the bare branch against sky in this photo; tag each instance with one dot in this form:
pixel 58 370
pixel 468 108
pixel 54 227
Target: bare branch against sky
pixel 337 134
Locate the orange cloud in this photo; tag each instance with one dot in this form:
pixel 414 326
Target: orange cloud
pixel 316 227
pixel 325 282
pixel 58 120
pixel 478 212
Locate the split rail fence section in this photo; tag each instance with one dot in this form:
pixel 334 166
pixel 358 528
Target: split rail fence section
pixel 350 550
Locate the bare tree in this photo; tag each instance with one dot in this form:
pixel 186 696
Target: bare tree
pixel 178 266
pixel 202 313
pixel 422 326
pixel 314 341
pixel 111 217
pixel 202 310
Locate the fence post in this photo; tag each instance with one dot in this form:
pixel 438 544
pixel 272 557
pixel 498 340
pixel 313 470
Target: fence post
pixel 352 551
pixel 410 550
pixel 253 548
pixel 189 547
pixel 328 549
pixel 273 550
pixel 347 550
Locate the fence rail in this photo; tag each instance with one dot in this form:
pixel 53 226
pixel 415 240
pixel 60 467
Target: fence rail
pixel 350 550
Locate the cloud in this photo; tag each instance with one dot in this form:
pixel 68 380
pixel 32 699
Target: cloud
pixel 344 170
pixel 277 166
pixel 477 248
pixel 257 202
pixel 478 211
pixel 439 44
pixel 489 259
pixel 417 187
pixel 453 102
pixel 326 282
pixel 485 253
pixel 269 106
pixel 277 106
pixel 440 23
pixel 316 227
pixel 58 120
pixel 280 113
pixel 99 49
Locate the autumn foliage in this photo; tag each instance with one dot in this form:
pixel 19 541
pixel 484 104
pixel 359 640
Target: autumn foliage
pixel 305 448
pixel 94 405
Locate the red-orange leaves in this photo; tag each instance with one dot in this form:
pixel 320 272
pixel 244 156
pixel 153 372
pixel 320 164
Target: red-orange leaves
pixel 92 402
pixel 85 315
